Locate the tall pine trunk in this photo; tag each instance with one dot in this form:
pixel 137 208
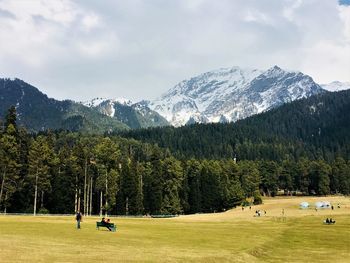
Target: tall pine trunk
pixel 42 199
pixel 90 197
pixel 106 204
pixel 101 203
pixel 85 188
pixel 36 192
pixel 76 200
pixel 5 209
pixel 86 210
pixel 79 201
pixel 2 185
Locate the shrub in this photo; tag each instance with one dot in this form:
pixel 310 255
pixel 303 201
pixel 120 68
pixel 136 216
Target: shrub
pixel 43 211
pixel 257 198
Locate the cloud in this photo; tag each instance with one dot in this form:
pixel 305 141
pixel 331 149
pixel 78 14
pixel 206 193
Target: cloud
pixel 139 49
pixel 6 14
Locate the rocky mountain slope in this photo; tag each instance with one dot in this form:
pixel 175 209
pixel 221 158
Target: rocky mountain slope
pixel 231 94
pixel 135 115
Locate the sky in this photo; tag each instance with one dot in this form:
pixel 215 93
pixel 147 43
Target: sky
pixel 139 49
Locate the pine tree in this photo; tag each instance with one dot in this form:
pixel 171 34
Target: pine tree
pixel 11 118
pixel 192 173
pixel 211 186
pixel 40 158
pixel 269 177
pixel 319 174
pixel 339 178
pixel 172 180
pixel 249 177
pixel 233 192
pixel 107 155
pixel 10 165
pixel 155 184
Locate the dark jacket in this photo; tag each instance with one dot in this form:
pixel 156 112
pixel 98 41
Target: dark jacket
pixel 78 217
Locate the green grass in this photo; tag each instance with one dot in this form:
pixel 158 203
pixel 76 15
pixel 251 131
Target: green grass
pixel 234 236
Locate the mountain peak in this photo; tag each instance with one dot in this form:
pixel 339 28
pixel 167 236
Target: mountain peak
pixel 275 71
pixel 234 92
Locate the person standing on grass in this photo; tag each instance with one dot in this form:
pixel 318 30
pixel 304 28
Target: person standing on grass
pixel 79 218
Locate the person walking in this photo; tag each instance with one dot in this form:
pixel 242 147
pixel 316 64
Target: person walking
pixel 79 219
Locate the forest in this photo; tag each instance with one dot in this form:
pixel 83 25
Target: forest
pixel 314 128
pixel 62 172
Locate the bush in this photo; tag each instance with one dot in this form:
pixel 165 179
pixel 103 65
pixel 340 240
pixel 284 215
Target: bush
pixel 257 198
pixel 43 211
pixel 246 203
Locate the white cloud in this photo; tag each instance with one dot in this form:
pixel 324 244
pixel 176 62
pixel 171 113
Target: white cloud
pixel 138 49
pixel 345 16
pixel 90 22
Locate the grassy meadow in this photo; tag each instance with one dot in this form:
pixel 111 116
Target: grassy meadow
pixel 232 236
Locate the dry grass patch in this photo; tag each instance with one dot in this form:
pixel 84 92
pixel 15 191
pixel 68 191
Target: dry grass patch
pixel 233 236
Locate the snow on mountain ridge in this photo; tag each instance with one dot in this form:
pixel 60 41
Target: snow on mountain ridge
pixel 336 86
pixel 231 94
pixel 98 101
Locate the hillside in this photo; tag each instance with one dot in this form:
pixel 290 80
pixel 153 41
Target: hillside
pixel 37 112
pixel 316 127
pixel 135 115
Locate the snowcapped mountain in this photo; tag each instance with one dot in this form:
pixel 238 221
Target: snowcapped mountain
pixel 135 115
pixel 336 86
pixel 230 94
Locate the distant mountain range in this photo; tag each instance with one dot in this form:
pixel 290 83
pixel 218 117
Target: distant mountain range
pixel 37 112
pixel 224 95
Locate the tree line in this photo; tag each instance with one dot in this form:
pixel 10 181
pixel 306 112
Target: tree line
pixel 314 128
pixel 63 172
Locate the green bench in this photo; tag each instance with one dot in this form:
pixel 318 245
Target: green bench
pixel 112 226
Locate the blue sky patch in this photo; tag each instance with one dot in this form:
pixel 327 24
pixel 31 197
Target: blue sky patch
pixel 344 2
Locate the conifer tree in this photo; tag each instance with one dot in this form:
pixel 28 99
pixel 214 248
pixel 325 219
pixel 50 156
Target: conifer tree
pixel 9 164
pixel 172 180
pixel 40 159
pixel 192 174
pixel 107 156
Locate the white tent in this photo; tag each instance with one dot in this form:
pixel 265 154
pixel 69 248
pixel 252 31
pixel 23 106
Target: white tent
pixel 326 204
pixel 304 205
pixel 323 204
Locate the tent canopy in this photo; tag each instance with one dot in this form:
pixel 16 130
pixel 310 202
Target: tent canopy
pixel 304 205
pixel 323 204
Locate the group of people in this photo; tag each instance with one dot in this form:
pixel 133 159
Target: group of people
pixel 330 221
pixel 106 223
pixel 259 212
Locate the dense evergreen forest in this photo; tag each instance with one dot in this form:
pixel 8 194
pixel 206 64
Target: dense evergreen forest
pixel 314 128
pixel 62 172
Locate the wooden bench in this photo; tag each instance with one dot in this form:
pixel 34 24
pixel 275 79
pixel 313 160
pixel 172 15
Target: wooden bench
pixel 112 226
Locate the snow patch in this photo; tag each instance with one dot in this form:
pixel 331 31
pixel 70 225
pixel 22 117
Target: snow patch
pixel 336 86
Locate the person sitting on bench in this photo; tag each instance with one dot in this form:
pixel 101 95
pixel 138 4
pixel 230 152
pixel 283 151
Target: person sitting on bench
pixel 106 223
